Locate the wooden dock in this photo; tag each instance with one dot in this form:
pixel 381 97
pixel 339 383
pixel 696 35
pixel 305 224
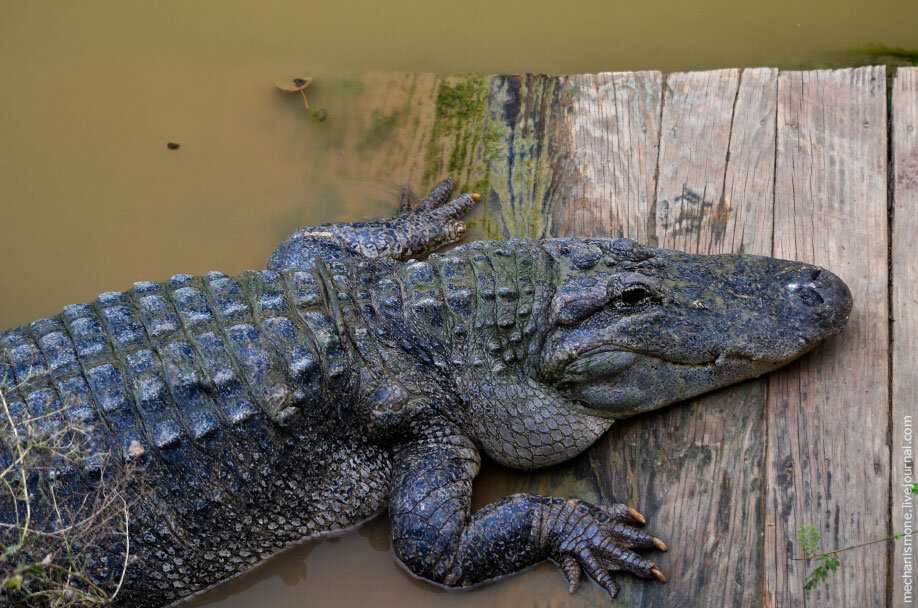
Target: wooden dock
pixel 818 166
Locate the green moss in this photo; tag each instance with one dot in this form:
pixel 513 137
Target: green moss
pixel 460 152
pixel 493 139
pixel 458 118
pixel 463 101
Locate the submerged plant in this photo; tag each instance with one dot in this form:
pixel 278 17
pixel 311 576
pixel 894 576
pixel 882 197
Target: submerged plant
pixel 295 85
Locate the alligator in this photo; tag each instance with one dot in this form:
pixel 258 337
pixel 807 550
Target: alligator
pixel 361 373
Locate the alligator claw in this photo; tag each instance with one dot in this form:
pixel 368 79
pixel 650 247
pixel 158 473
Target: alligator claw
pixel 572 572
pixel 428 223
pixel 624 514
pixel 601 540
pixel 637 516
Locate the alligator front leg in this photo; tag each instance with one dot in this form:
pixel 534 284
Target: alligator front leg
pixel 437 538
pixel 432 223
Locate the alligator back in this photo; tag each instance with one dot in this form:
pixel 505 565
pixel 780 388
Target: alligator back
pixel 210 404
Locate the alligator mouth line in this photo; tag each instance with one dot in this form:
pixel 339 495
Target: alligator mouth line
pixel 571 371
pixel 581 370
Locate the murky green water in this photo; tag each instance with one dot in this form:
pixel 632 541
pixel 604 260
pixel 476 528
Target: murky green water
pixel 91 199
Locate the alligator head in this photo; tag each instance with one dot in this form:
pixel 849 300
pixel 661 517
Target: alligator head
pixel 632 328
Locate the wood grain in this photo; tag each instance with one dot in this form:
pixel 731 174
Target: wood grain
pixel 612 122
pixel 828 459
pixel 704 493
pixel 904 176
pixel 697 118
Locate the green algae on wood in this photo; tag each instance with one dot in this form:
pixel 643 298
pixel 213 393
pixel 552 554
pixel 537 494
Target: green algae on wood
pixel 523 116
pixel 457 133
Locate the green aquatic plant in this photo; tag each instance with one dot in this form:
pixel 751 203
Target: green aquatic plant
pixel 299 85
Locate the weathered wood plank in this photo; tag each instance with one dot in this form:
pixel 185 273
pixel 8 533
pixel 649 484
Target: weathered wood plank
pixel 904 175
pixel 612 125
pixel 747 208
pixel 828 459
pixel 706 457
pixel 697 116
pixel 522 152
pixel 388 129
pixel 389 116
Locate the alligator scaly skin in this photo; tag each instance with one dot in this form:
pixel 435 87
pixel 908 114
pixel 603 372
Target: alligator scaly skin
pixel 215 388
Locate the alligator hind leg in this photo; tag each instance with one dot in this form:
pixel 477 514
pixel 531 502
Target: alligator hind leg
pixel 433 223
pixel 437 537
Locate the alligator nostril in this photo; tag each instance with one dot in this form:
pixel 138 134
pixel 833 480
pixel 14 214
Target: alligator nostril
pixel 810 296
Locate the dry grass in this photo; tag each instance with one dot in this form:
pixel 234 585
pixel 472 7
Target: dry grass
pixel 49 550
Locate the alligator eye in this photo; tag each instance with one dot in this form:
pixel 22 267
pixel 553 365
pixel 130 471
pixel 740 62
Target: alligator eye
pixel 635 295
pixel 632 291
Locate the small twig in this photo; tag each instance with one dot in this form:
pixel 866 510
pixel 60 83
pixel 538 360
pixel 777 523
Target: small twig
pixel 849 548
pixel 127 547
pixel 43 568
pixel 13 495
pixel 22 473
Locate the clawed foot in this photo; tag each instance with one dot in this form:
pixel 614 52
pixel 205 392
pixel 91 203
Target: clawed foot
pixel 418 229
pixel 431 222
pixel 598 539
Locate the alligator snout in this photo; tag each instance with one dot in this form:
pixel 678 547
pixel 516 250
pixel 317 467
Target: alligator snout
pixel 818 293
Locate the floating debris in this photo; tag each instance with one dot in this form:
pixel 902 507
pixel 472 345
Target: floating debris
pixel 299 85
pixel 295 85
pixel 173 146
